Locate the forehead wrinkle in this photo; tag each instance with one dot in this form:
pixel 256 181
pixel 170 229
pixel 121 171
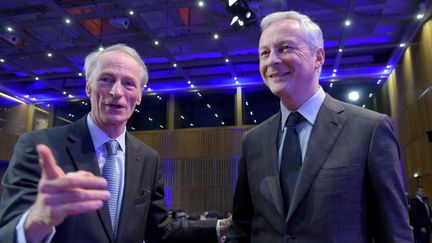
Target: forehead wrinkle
pixel 110 66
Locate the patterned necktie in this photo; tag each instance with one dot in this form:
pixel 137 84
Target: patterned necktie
pixel 291 160
pixel 111 174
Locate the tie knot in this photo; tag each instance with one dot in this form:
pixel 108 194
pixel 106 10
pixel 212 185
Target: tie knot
pixel 293 119
pixel 111 147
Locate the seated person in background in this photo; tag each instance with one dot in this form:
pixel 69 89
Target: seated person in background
pixel 213 215
pixel 180 214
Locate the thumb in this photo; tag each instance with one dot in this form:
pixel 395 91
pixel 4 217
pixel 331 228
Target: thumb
pixel 48 164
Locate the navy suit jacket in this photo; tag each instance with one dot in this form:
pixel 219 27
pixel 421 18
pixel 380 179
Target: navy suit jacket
pixel 143 211
pixel 349 188
pixel 420 217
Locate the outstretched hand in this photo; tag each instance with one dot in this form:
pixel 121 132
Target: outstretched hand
pixel 224 224
pixel 61 195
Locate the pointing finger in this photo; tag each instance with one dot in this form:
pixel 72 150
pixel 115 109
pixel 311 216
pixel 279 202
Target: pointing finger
pixel 50 169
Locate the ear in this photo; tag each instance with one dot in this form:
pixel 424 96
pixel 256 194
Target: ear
pixel 88 89
pixel 320 57
pixel 139 98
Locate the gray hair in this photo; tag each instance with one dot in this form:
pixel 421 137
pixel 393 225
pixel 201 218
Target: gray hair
pixel 311 30
pixel 92 58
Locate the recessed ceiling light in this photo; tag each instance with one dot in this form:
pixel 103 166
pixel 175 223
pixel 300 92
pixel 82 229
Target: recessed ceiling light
pixel 156 42
pixel 201 3
pixel 216 36
pixel 67 21
pixel 347 22
pixel 402 44
pixel 340 50
pixel 131 12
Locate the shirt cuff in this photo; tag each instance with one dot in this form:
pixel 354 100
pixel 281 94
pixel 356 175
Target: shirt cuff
pixel 218 229
pixel 20 234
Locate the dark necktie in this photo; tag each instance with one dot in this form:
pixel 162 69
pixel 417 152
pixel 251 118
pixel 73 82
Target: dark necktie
pixel 291 160
pixel 111 173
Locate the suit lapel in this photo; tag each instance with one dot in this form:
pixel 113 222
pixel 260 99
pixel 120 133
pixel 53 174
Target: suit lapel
pixel 134 163
pixel 83 156
pixel 270 140
pixel 325 132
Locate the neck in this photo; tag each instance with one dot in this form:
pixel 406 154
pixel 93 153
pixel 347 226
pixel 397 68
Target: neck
pixel 294 102
pixel 113 130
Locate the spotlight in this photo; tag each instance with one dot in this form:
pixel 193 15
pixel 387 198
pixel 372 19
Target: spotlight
pixel 242 14
pixel 354 96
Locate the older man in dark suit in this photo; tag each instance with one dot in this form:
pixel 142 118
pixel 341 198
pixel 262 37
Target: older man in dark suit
pixel 64 197
pixel 320 170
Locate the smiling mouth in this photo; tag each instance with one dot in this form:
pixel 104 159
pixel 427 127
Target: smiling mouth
pixel 276 75
pixel 114 106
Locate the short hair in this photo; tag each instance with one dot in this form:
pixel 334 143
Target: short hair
pixel 310 29
pixel 92 58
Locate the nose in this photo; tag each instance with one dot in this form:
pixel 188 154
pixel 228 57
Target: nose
pixel 116 89
pixel 274 58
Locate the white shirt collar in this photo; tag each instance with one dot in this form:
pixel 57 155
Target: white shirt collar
pixel 99 137
pixel 419 198
pixel 309 109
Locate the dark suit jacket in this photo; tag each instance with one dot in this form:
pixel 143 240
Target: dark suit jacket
pixel 420 217
pixel 349 188
pixel 143 212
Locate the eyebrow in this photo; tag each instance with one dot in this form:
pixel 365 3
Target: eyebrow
pixel 109 73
